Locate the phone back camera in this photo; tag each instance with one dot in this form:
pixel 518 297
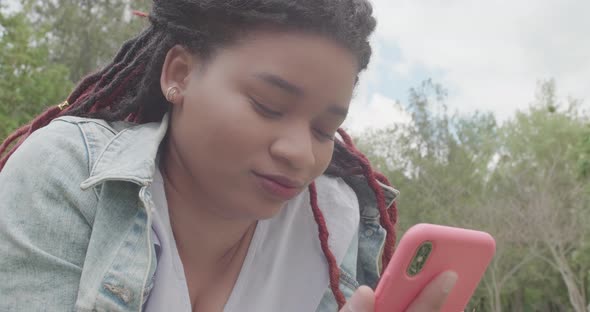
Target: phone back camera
pixel 419 259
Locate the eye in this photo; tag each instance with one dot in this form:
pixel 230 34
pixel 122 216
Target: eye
pixel 265 111
pixel 323 136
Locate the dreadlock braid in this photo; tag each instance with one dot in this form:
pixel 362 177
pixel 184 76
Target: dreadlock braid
pixel 128 88
pixel 388 217
pixel 323 234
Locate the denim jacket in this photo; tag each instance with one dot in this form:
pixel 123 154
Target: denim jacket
pixel 75 220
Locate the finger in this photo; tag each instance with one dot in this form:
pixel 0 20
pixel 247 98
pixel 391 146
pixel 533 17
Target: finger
pixel 433 296
pixel 363 300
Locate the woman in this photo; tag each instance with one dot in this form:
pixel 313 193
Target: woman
pixel 201 171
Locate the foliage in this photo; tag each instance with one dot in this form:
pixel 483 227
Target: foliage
pixel 50 44
pixel 523 181
pixel 84 35
pixel 29 82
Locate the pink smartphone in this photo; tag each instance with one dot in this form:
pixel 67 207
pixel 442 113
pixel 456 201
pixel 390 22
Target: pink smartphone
pixel 425 251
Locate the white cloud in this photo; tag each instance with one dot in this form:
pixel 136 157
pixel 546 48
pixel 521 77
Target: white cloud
pixel 379 112
pixel 490 53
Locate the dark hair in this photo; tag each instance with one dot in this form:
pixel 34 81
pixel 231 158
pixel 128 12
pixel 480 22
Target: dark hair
pixel 129 87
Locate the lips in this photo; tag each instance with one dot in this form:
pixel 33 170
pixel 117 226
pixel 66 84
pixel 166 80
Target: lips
pixel 279 186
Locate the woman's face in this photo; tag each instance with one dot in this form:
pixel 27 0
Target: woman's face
pixel 254 126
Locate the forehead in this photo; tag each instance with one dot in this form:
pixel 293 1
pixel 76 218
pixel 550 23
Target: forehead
pixel 316 63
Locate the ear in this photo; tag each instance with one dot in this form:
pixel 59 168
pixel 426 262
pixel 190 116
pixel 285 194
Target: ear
pixel 176 71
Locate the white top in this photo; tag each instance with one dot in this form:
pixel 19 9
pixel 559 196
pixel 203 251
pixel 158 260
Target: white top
pixel 284 269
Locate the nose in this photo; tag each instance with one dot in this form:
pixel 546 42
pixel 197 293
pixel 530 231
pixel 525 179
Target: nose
pixel 294 147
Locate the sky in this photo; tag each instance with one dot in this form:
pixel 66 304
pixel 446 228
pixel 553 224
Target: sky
pixel 489 55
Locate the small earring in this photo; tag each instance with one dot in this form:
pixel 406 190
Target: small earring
pixel 171 94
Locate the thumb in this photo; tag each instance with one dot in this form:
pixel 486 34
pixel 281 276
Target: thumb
pixel 363 300
pixel 433 297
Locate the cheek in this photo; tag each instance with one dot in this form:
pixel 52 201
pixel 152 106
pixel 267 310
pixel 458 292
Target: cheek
pixel 323 157
pixel 219 128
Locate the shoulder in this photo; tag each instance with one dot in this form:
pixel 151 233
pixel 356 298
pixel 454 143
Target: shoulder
pixel 44 170
pixel 46 219
pixel 63 147
pixel 362 262
pixel 52 162
pixel 49 150
pixel 94 134
pixel 335 191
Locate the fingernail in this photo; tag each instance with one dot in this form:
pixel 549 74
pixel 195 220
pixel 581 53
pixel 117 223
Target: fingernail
pixel 449 282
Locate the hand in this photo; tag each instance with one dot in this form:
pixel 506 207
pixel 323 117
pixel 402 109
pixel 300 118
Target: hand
pixel 430 299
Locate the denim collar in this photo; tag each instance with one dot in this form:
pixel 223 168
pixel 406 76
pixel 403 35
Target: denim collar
pixel 130 155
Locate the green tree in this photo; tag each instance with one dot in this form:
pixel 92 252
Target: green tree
pixel 84 35
pixel 520 181
pixel 50 44
pixel 439 160
pixel 538 179
pixel 29 82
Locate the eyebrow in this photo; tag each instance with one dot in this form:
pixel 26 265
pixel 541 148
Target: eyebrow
pixel 295 90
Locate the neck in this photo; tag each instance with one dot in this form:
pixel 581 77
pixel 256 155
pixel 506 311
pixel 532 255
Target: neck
pixel 204 237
